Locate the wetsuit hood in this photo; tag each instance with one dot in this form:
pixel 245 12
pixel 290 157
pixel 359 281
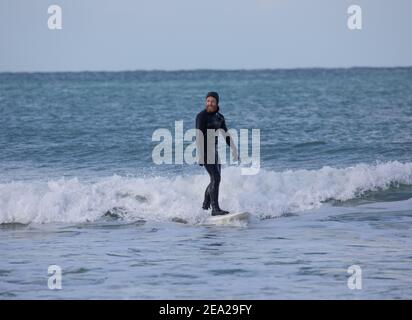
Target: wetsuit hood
pixel 213 94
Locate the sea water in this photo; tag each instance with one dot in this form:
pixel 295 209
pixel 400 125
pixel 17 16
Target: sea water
pixel 79 188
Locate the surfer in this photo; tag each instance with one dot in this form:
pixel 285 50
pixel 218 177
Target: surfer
pixel 211 118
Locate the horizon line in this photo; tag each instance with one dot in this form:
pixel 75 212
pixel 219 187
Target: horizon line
pixel 212 69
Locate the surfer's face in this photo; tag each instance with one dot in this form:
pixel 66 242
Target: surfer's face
pixel 211 104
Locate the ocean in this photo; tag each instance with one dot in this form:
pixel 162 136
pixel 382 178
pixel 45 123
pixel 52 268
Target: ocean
pixel 79 188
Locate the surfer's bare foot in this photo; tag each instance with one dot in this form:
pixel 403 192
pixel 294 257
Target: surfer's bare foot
pixel 219 212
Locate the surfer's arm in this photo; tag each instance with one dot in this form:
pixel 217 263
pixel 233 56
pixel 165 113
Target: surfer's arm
pixel 229 140
pixel 200 136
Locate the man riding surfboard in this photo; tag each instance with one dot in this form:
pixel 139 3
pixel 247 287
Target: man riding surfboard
pixel 207 122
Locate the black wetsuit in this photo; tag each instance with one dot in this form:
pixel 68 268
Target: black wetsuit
pixel 211 120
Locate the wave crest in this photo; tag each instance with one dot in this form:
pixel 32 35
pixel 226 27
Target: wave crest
pixel 268 193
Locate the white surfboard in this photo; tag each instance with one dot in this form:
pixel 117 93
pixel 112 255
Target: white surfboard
pixel 229 218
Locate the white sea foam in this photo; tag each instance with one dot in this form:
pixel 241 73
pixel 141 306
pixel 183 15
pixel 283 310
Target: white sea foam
pixel 269 193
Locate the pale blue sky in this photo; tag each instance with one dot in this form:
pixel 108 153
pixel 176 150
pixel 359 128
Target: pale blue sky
pixel 194 34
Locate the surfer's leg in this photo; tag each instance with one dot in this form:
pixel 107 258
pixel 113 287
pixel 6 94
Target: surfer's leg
pixel 217 185
pixel 206 201
pixel 214 183
pixel 214 173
